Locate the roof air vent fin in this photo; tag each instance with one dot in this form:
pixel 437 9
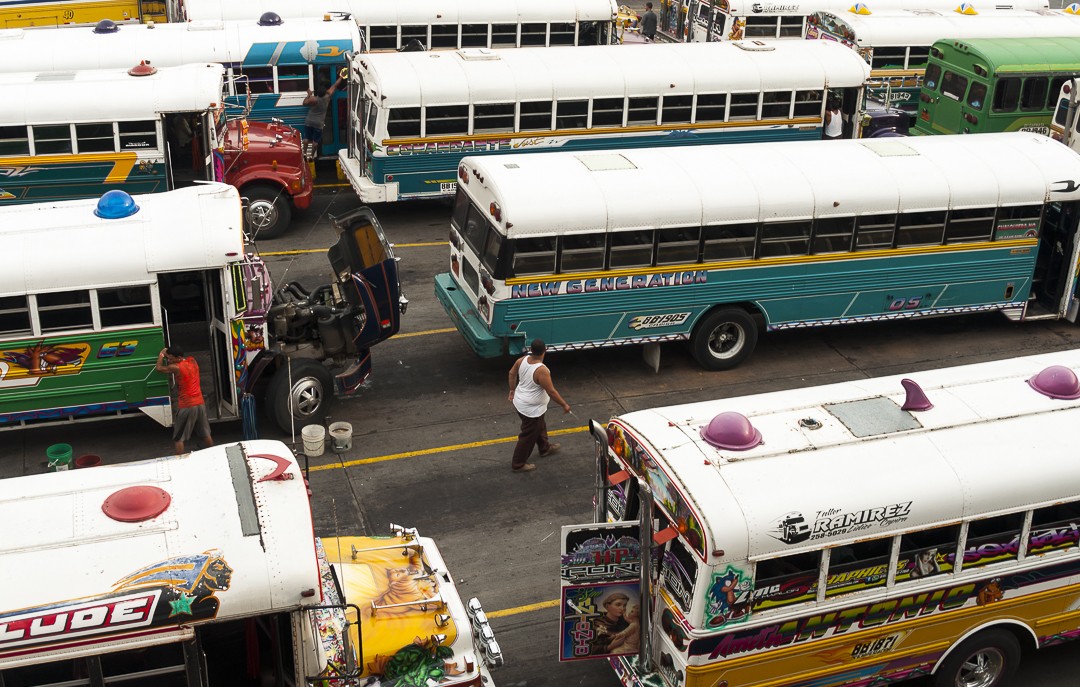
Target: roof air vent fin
pixel 1056 381
pixel 916 398
pixel 731 431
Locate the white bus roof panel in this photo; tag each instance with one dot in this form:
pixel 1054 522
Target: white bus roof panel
pixel 192 228
pixel 949 466
pixel 752 7
pixel 108 95
pixel 612 70
pixel 162 45
pixel 66 549
pixel 923 28
pixel 380 12
pixel 782 180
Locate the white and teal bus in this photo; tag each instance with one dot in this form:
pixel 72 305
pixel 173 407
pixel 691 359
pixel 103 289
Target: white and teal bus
pixel 896 44
pixel 269 67
pixel 716 244
pixel 722 20
pixel 435 24
pixel 415 115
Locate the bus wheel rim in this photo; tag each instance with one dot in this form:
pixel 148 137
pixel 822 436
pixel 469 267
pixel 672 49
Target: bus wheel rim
pixel 981 669
pixel 725 340
pixel 262 213
pixel 307 396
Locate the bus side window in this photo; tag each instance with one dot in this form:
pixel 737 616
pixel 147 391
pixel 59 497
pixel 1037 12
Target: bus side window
pixel 533 256
pixel 52 140
pixel 504 35
pixel 533 34
pixel 1054 528
pixel 293 78
pixel 786 580
pixel 1033 95
pixel 631 249
pixel 791 26
pixel 64 310
pixel 761 27
pixel 833 234
pixel 14 315
pixel 776 104
pixel 493 118
pixel 14 140
pixel 535 116
pixel 888 58
pixel 1006 94
pixel 744 106
pixel 126 305
pixel 95 138
pixel 562 33
pixel 403 121
pixel 1055 90
pixel 921 228
pixel 141 135
pixel 571 114
pixel 730 242
pixel 874 232
pixel 785 238
pixel 918 56
pixel 446 120
pixel 858 566
pixel 581 252
pixel 678 572
pixel 678 246
pixel 259 79
pixel 444 36
pixel 927 552
pixel 972 224
pixel 932 76
pixel 474 35
pixel 988 540
pixel 385 38
pixel 414 33
pixel 677 109
pixel 607 112
pixel 642 110
pixel 977 95
pixel 711 107
pixel 808 104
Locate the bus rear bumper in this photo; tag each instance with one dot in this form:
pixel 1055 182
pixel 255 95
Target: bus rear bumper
pixel 366 189
pixel 468 322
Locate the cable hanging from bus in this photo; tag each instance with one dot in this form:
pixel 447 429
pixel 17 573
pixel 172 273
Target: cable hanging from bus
pixel 82 323
pixel 771 561
pixel 1000 84
pixel 737 240
pixel 416 115
pixel 896 44
pixel 65 13
pixel 203 569
pixel 156 129
pixel 720 20
pixel 436 24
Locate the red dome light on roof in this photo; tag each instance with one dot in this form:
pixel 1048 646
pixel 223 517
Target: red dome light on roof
pixel 731 431
pixel 1056 381
pixel 136 504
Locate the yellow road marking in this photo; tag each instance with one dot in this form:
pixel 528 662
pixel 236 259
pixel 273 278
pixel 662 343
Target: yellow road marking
pixel 553 603
pixel 439 449
pixel 300 251
pixel 425 333
pixel 330 186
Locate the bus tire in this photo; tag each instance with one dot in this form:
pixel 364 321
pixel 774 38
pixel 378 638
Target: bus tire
pixel 723 339
pixel 312 392
pixel 988 659
pixel 269 211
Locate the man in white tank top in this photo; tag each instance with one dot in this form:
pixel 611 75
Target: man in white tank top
pixel 530 390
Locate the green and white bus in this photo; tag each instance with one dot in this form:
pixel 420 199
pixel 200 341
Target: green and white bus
pixel 896 44
pixel 1002 84
pixel 92 290
pixel 417 114
pixel 716 244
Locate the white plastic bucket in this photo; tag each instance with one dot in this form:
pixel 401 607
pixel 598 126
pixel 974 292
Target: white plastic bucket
pixel 341 436
pixel 314 440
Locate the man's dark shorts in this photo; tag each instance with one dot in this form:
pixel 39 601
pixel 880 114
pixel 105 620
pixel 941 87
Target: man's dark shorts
pixel 190 421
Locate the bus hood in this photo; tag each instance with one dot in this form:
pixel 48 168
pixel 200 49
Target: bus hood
pixel 261 136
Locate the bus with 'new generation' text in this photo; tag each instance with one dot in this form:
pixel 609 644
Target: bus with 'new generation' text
pixel 896 44
pixel 434 24
pixel 722 243
pixel 142 130
pixel 64 13
pixel 417 114
pixel 204 569
pixel 995 84
pixel 93 290
pixel 720 20
pixel 958 555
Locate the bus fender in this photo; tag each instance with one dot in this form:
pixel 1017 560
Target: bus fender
pixel 1015 626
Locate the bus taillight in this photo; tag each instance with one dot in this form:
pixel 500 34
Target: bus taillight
pixel 463 174
pixel 495 211
pixel 924 115
pixel 970 118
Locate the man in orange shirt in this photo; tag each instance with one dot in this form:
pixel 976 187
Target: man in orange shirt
pixel 190 416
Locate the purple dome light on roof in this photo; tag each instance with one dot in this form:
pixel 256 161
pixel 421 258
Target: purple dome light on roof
pixel 731 431
pixel 1056 381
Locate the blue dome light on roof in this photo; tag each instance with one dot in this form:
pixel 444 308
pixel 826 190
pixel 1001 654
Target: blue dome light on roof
pixel 270 19
pixel 106 26
pixel 116 204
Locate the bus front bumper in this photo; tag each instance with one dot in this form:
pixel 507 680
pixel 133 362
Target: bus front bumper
pixel 468 322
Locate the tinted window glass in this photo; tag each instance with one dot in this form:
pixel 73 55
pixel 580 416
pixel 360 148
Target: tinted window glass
pixel 382 37
pixel 1006 95
pixel 461 208
pixel 403 121
pixel 493 117
pixel 474 35
pixel 761 27
pixel 1033 94
pixel 927 552
pixel 974 224
pixel 874 231
pixel 534 256
pixel 743 106
pixel 444 36
pixel 775 104
pixel 490 258
pixel 293 78
pixel 977 95
pixel 52 140
pixel 888 58
pixel 992 540
pixel 475 230
pixel 536 116
pixel 932 76
pixel 711 107
pixel 953 85
pixel 571 114
pixel 503 35
pixel 138 135
pixel 677 109
pixel 607 112
pixel 580 252
pixel 784 238
pixel 677 245
pixel 1054 528
pixel 414 33
pixel 631 249
pixel 446 120
pixel 921 228
pixel 808 104
pixel 533 34
pixel 729 242
pixel 562 33
pixel 14 140
pixel 258 79
pixel 125 306
pixel 95 138
pixel 918 56
pixel 833 234
pixel 858 566
pixel 14 315
pixel 642 110
pixel 64 310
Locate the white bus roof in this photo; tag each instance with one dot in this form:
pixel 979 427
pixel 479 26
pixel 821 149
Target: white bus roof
pixel 192 228
pixel 164 45
pixel 484 76
pixel 923 28
pixel 223 504
pixel 987 446
pixel 751 182
pixel 747 7
pixel 106 95
pixel 383 13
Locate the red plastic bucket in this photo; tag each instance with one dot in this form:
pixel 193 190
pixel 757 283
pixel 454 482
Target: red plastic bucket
pixel 88 461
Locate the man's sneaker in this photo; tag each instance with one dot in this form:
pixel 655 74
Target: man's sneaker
pixel 553 448
pixel 527 467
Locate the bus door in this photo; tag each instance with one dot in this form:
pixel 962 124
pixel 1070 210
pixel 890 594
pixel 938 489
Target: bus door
pixel 1055 265
pixel 366 114
pixel 850 106
pixel 191 140
pixel 337 114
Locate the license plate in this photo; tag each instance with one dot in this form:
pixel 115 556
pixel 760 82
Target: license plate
pixel 448 188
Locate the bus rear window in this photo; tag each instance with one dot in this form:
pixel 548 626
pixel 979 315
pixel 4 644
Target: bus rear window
pixel 1006 95
pixel 953 85
pixel 932 76
pixel 977 95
